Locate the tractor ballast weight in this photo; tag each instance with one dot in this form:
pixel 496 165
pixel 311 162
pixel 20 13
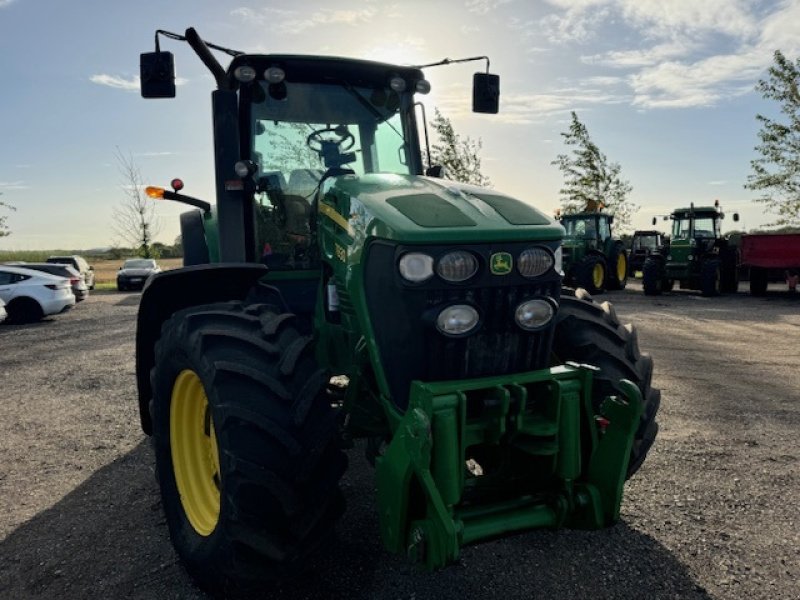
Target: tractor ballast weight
pixel 697 257
pixel 367 301
pixel 593 258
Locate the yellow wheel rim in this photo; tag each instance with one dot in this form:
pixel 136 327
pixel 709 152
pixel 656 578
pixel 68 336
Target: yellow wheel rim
pixel 622 267
pixel 598 275
pixel 195 456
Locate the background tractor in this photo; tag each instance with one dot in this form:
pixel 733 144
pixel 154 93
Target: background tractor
pixel 334 293
pixel 698 257
pixel 593 258
pixel 643 244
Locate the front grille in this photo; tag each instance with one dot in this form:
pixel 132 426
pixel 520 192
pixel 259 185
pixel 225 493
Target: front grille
pixel 410 347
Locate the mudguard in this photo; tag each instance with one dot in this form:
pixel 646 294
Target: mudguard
pixel 174 290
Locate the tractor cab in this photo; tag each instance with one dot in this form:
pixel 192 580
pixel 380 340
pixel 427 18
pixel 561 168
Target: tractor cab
pixel 593 259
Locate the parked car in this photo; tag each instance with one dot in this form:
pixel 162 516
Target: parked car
pixel 30 295
pixel 79 287
pixel 135 272
pixel 3 313
pixel 79 264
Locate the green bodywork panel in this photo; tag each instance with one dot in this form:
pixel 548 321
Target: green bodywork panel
pixel 353 211
pixel 684 261
pixel 567 471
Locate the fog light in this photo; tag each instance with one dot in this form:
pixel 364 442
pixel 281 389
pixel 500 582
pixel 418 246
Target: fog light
pixel 423 86
pixel 416 267
pixel 457 319
pixel 398 84
pixel 534 314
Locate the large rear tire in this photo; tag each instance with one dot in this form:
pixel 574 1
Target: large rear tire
pixel 590 274
pixel 591 333
pixel 710 278
pixel 759 280
pixel 618 268
pixel 246 455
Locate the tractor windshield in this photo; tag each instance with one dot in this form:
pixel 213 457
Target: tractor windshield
pixel 312 127
pixel 697 227
pixel 582 229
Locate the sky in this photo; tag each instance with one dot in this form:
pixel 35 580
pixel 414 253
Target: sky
pixel 665 88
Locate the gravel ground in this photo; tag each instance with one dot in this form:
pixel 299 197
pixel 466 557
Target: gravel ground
pixel 711 514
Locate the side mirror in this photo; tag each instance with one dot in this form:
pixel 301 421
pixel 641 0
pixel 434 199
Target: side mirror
pixel 485 93
pixel 157 74
pixel 736 217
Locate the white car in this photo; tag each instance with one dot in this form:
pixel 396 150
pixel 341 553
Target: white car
pixel 3 313
pixel 30 295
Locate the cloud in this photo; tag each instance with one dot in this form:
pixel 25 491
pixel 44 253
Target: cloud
pixel 482 7
pixel 718 182
pixel 290 21
pixel 14 185
pixel 681 53
pixel 4 3
pixel 119 83
pixel 129 85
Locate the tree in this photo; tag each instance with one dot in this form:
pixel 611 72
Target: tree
pixel 135 216
pixel 590 180
pixel 458 156
pixel 4 230
pixel 777 172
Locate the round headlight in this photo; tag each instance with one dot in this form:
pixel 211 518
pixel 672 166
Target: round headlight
pixel 416 267
pixel 457 266
pixel 244 73
pixel 534 262
pixel 559 261
pixel 457 319
pixel 534 314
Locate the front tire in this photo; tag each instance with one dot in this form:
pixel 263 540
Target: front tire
pixel 588 332
pixel 652 277
pixel 246 456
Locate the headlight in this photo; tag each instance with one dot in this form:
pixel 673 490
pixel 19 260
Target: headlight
pixel 457 266
pixel 534 314
pixel 416 267
pixel 534 262
pixel 559 260
pixel 457 319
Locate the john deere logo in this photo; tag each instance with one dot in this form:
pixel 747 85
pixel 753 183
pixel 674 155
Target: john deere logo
pixel 501 263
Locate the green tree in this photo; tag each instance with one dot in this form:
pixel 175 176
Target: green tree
pixel 134 217
pixel 777 172
pixel 4 230
pixel 590 180
pixel 459 157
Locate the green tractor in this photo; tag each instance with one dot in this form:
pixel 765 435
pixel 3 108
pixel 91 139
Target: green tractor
pixel 593 258
pixel 697 256
pixel 337 295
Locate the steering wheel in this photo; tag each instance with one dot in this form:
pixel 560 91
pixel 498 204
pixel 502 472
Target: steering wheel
pixel 343 141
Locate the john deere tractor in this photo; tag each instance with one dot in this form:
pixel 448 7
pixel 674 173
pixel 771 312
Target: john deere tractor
pixel 593 258
pixel 697 256
pixel 336 295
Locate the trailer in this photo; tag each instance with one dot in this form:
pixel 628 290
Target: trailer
pixel 771 257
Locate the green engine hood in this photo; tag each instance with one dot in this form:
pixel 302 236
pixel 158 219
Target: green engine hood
pixel 418 209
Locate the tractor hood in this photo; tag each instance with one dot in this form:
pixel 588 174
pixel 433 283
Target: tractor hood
pixel 412 209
